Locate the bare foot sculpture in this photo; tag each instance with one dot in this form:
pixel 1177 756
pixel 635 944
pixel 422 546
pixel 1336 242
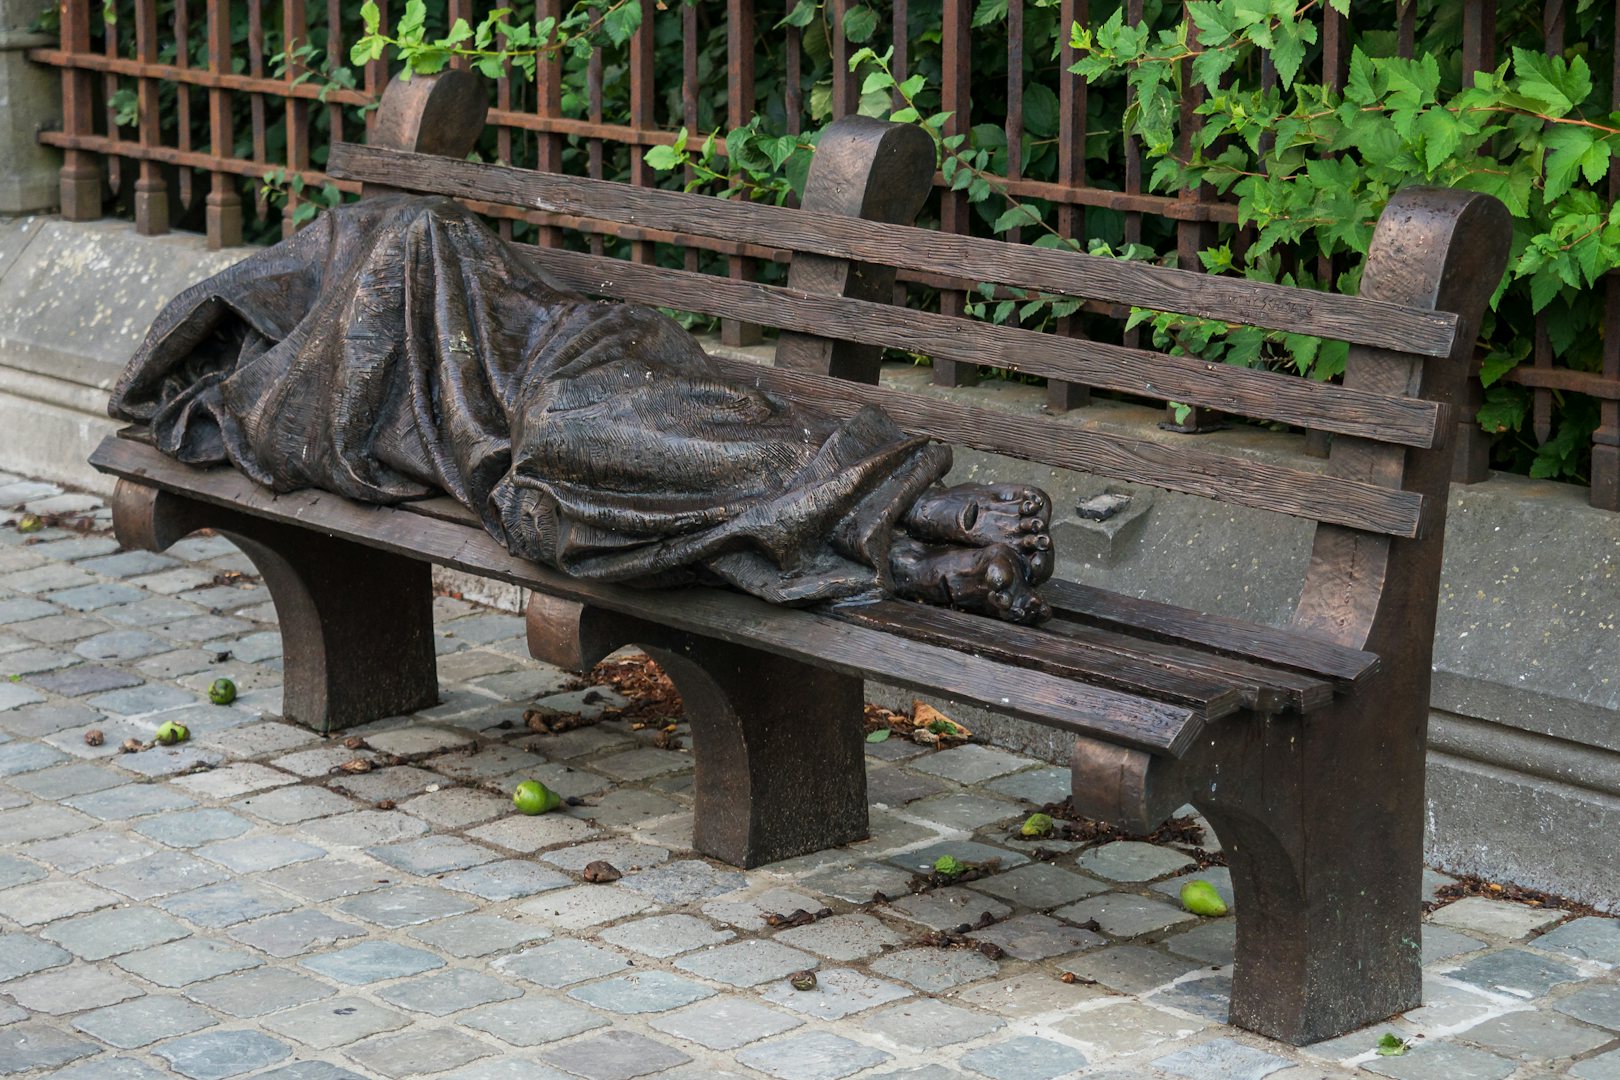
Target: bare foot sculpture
pixel 978 515
pixel 989 580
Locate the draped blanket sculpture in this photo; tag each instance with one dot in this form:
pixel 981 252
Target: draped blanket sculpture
pixel 397 348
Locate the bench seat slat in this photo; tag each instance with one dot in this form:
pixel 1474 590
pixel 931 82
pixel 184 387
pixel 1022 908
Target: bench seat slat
pixel 1156 727
pixel 1248 392
pixel 1232 637
pixel 1355 504
pixel 1236 300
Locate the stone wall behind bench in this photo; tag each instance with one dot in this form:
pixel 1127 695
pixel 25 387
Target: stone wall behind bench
pixel 1524 776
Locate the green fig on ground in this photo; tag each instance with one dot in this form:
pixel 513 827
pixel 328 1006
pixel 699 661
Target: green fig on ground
pixel 222 692
pixel 170 733
pixel 1199 897
pixel 1037 825
pixel 533 797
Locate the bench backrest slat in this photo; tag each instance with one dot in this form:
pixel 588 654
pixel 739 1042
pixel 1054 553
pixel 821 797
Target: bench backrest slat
pixel 1234 300
pixel 1248 392
pixel 1245 482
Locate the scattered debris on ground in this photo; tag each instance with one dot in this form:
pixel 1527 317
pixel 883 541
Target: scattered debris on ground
pixel 600 872
pixel 1469 885
pixel 925 725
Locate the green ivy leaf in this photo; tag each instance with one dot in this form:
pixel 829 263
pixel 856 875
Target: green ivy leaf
pixel 1441 135
pixel 1557 84
pixel 1567 146
pixel 860 23
pixel 803 13
pixel 1392 1045
pixel 621 23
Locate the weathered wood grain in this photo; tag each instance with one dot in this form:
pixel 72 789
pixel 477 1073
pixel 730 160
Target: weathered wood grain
pixel 1235 300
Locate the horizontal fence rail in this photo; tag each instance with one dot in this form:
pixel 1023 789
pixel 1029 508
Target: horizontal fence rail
pixel 219 116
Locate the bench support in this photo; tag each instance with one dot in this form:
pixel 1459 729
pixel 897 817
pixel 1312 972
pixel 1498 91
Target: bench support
pixel 356 623
pixel 780 765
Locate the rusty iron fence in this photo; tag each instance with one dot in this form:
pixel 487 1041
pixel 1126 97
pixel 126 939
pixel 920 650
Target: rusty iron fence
pixel 189 59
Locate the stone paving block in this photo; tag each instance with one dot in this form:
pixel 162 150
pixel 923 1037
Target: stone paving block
pixel 839 992
pixel 1440 944
pixel 159 874
pixel 255 854
pixel 335 1021
pixel 46 578
pixel 71 989
pixel 1536 1037
pixel 332 878
pixel 47 901
pixel 1602 1067
pixel 643 763
pixel 294 932
pixel 175 663
pixel 1517 973
pixel 525 834
pixel 1037 937
pixel 944 909
pixel 1027 1057
pixel 889 786
pixel 487 763
pixel 622 806
pixel 927 1024
pixel 165 761
pixel 65 781
pixel 194 828
pixel 1039 885
pixel 258 991
pixel 450 990
pixel 1588 938
pixel 725 1023
pixel 1597 1004
pixel 416 1053
pixel 232 781
pixel 506 880
pixel 75 854
pixel 627 855
pixel 1212 941
pixel 200 628
pixel 22 955
pixel 85 679
pixel 1132 860
pixel 15 696
pixel 665 935
pixel 615 1055
pixel 372 961
pixel 842 937
pixel 39 663
pixel 364 828
pixel 215 1055
pixel 1129 969
pixel 107 933
pixel 95 597
pixel 921 860
pixel 405 905
pixel 963 811
pixel 109 1068
pixel 119 645
pixel 19 609
pixel 684 881
pixel 457 808
pixel 468 936
pixel 396 783
pixel 586 905
pixel 226 904
pixel 1448 1005
pixel 1222 1059
pixel 506 1069
pixel 1128 1027
pixel 314 1070
pixel 532 1020
pixel 137 1023
pixel 1037 787
pixel 128 564
pixel 748 912
pixel 33 1045
pixel 746 963
pixel 25 757
pixel 1436 1060
pixel 1209 997
pixel 34 721
pixel 181 963
pixel 1495 918
pixel 562 963
pixel 130 801
pixel 817 1055
pixel 641 992
pixel 432 854
pixel 39 823
pixel 141 700
pixel 298 803
pixel 1126 915
pixel 970 764
pixel 319 763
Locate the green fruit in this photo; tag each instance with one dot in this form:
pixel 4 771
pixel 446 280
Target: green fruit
pixel 533 797
pixel 171 733
pixel 30 523
pixel 1199 897
pixel 222 692
pixel 1037 825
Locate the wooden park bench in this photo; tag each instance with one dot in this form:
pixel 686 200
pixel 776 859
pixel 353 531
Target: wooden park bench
pixel 1303 745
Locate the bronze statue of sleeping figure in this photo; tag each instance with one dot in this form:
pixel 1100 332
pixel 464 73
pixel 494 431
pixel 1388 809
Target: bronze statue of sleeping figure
pixel 397 348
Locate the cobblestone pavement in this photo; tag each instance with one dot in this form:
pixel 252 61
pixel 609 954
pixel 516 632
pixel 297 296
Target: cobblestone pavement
pixel 233 907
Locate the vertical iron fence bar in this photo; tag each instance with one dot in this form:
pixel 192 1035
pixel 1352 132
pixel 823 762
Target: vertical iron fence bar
pixel 503 136
pixel 845 98
pixel 593 80
pixel 548 103
pixel 151 191
pixel 1406 28
pixel 1194 235
pixel 80 178
pixel 224 203
pixel 117 165
pixel 335 58
pixel 1472 458
pixel 256 102
pixel 377 70
pixel 1605 491
pixel 689 103
pixel 739 109
pixel 182 98
pixel 1133 174
pixel 956 62
pixel 1541 400
pixel 294 25
pixel 460 9
pixel 1014 127
pixel 1335 72
pixel 1071 173
pixel 900 62
pixel 643 101
pixel 793 88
